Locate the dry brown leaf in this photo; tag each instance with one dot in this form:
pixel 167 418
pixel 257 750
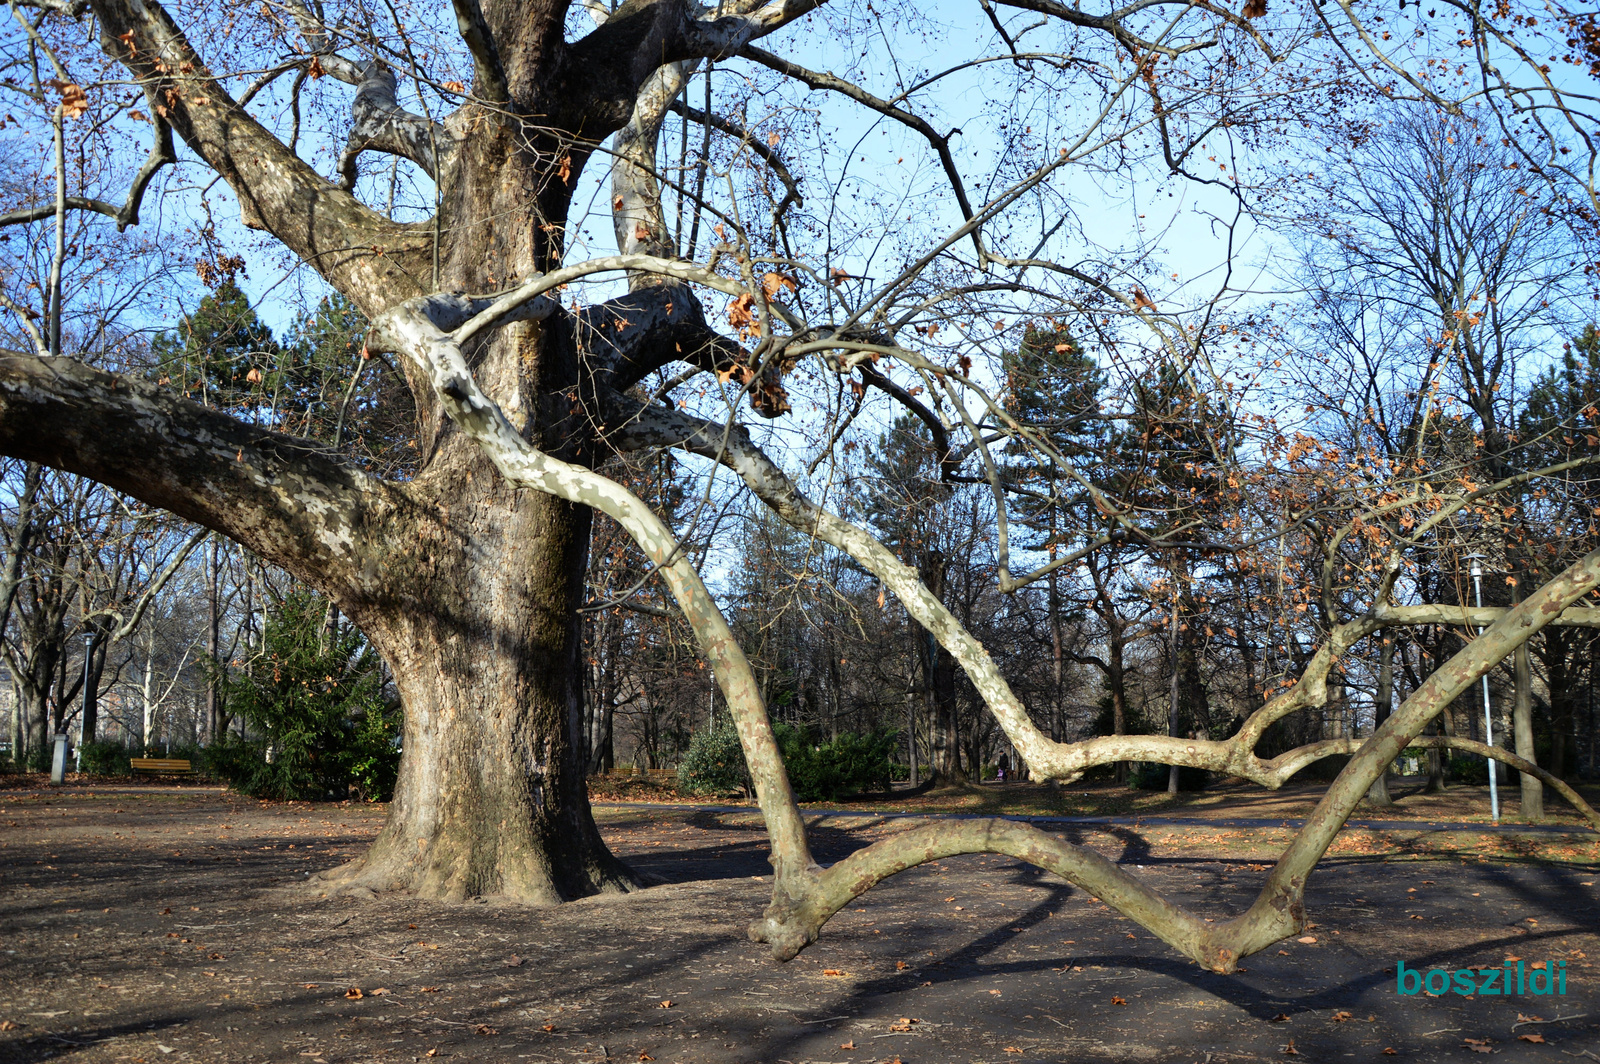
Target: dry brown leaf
pixel 1281 1017
pixel 848 1045
pixel 453 86
pixel 1118 1001
pixel 74 101
pixel 1340 1017
pixel 1289 1050
pixel 354 993
pixel 899 966
pixel 314 68
pixel 832 971
pixel 1255 8
pixel 485 1029
pixel 1307 940
pixel 12 1025
pixel 430 989
pixel 664 1005
pixel 1390 1051
pixel 1530 1038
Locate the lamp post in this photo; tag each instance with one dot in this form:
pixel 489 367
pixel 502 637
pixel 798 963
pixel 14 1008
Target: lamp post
pixel 1488 720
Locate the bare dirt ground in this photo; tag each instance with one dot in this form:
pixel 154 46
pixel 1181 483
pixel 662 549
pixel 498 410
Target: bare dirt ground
pixel 173 923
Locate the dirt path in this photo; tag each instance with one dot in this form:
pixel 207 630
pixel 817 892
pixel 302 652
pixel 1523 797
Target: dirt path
pixel 155 925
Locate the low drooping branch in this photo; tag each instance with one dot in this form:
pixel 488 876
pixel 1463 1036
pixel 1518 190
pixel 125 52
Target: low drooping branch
pixel 636 427
pixel 789 929
pixel 1472 746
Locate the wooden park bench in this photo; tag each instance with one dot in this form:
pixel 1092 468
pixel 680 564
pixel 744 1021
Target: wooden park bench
pixel 161 766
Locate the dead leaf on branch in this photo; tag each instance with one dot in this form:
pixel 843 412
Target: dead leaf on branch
pixel 1255 8
pixel 773 282
pixel 74 101
pixel 453 86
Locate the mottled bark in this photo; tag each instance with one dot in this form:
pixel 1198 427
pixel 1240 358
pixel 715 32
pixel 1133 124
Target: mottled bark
pixel 1382 706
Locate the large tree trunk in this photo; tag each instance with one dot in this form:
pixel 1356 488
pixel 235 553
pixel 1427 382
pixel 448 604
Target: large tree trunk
pixel 491 799
pixel 1382 706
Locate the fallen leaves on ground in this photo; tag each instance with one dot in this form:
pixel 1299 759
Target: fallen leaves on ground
pixel 513 961
pixel 1307 940
pixel 1341 1016
pixel 664 1005
pixel 484 1028
pixel 429 989
pixel 1281 1017
pixel 1119 1001
pixel 1289 1050
pixel 354 993
pixel 833 971
pixel 848 1045
pixel 1390 1051
pixel 1477 1045
pixel 1530 1038
pixel 9 1025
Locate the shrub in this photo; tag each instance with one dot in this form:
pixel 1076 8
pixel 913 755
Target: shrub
pixel 821 772
pixel 714 763
pixel 1467 769
pixel 105 758
pixel 1152 777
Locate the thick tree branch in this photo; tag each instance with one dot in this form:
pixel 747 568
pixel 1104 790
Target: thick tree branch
pixel 279 495
pixel 1478 617
pixel 364 254
pixel 381 124
pixel 489 75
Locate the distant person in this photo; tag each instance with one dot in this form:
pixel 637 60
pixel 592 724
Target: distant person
pixel 1000 769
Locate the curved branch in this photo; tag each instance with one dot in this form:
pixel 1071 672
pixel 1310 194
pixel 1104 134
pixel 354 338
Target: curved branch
pixel 161 154
pixel 381 124
pixel 413 331
pixel 816 79
pixel 1549 779
pixel 789 926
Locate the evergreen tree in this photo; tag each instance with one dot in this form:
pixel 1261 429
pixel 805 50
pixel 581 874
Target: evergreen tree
pixel 315 695
pixel 222 353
